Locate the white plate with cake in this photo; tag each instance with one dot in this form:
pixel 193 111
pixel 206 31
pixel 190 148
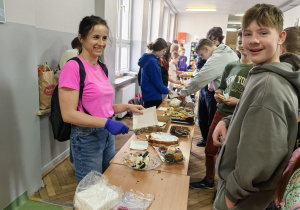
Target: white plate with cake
pixel 142 161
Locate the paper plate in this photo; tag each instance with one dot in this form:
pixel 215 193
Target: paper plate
pixel 154 162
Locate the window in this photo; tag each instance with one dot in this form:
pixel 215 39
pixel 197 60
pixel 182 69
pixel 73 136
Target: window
pixel 123 36
pixel 149 21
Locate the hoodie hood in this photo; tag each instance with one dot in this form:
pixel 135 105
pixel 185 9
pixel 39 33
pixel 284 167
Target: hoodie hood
pixel 289 68
pixel 146 57
pixel 222 48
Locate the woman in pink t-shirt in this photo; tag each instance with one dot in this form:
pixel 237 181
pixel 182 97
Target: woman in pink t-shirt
pixel 92 140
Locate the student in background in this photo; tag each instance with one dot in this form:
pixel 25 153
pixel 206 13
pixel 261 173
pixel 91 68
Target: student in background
pixel 207 105
pixel 175 41
pixel 182 60
pixel 212 70
pixel 164 67
pixel 232 83
pixel 68 54
pixel 151 80
pixel 172 70
pixel 263 128
pixel 174 48
pixel 292 42
pixel 92 136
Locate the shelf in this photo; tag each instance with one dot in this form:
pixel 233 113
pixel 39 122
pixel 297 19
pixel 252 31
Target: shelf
pixel 43 112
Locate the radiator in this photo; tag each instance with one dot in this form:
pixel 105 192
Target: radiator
pixel 123 95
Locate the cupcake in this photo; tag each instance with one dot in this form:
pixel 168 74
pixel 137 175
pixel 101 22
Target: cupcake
pixel 169 157
pixel 178 157
pixel 171 150
pixel 162 149
pixel 177 150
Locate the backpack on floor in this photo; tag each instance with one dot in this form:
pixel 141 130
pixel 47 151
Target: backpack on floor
pixel 62 130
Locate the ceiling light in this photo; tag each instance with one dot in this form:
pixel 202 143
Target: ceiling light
pixel 231 29
pixel 200 9
pixel 234 22
pixel 241 14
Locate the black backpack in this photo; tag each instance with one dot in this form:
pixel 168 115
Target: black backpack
pixel 62 130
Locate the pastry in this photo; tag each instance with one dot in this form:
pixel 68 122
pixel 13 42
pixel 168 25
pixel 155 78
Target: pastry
pixel 178 157
pixel 171 150
pixel 141 161
pixel 169 157
pixel 162 139
pixel 162 149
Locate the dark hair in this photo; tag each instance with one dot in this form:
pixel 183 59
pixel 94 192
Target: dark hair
pixel 76 43
pixel 202 43
pixel 292 40
pixel 264 15
pixel 239 33
pixel 216 32
pixel 157 45
pixel 175 41
pixel 88 23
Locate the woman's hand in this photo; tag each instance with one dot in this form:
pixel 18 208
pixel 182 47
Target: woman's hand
pixel 178 82
pixel 220 131
pixel 219 100
pixel 116 127
pixel 135 108
pixel 232 101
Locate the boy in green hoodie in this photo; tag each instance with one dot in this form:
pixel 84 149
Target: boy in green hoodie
pixel 262 132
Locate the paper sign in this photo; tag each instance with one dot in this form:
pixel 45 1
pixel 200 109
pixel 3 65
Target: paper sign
pixel 149 118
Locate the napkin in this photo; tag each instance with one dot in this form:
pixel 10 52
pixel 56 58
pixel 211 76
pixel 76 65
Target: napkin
pixel 138 145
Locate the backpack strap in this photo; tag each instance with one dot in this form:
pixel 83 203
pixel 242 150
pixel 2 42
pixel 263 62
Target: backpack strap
pixel 82 78
pixel 103 66
pixel 164 63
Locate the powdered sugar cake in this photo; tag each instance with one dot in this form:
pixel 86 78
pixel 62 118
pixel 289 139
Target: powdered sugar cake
pixel 162 139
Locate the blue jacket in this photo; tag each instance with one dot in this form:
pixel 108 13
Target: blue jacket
pixel 151 81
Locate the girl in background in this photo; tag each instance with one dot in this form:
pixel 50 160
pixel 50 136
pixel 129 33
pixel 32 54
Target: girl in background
pixel 151 80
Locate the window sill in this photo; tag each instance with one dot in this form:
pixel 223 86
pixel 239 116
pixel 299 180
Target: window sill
pixel 125 79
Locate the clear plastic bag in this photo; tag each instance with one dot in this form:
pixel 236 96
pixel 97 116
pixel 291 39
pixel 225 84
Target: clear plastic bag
pixel 135 200
pixel 95 193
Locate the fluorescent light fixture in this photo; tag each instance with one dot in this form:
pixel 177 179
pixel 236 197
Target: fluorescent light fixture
pixel 240 14
pixel 234 23
pixel 231 29
pixel 200 9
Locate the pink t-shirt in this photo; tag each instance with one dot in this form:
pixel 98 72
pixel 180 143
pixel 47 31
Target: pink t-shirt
pixel 98 94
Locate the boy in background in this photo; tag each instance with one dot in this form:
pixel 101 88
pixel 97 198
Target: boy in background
pixel 172 70
pixel 263 128
pixel 292 41
pixel 182 60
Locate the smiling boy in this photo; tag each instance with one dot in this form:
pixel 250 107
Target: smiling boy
pixel 263 128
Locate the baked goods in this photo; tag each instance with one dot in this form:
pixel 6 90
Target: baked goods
pixel 162 139
pixel 169 157
pixel 142 161
pixel 178 156
pixel 171 150
pixel 181 114
pixel 221 96
pixel 179 130
pixel 162 149
pixel 174 102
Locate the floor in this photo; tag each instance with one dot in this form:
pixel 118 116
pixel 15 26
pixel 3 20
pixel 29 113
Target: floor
pixel 60 183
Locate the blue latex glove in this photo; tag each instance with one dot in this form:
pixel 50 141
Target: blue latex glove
pixel 115 127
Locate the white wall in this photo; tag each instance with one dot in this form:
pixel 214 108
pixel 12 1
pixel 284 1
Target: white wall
pixel 290 17
pixel 36 31
pixel 199 24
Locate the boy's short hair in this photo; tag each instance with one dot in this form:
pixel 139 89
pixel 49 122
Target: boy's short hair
pixel 174 47
pixel 174 55
pixel 264 15
pixel 292 41
pixel 202 43
pixel 216 32
pixel 181 49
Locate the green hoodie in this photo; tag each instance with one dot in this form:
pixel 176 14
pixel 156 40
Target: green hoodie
pixel 261 135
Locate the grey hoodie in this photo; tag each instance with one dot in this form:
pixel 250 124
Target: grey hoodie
pixel 261 135
pixel 211 71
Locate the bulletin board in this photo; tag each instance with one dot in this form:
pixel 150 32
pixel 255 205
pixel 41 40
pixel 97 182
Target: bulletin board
pixel 2 12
